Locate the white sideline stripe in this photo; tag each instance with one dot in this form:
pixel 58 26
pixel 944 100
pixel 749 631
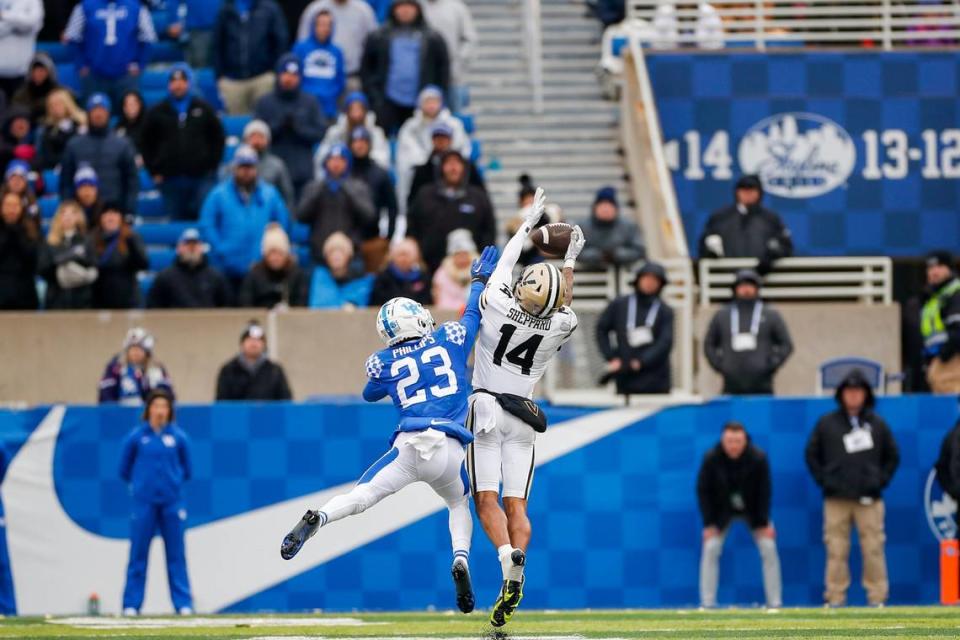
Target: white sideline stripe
pixel 90 622
pixel 229 559
pixel 516 637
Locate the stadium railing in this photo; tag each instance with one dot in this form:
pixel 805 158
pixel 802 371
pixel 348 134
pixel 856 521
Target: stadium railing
pixel 533 49
pixel 785 23
pixel 867 280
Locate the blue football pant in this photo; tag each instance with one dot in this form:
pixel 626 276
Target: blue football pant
pixel 169 519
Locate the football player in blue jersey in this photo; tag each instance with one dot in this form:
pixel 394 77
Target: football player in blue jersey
pixel 424 371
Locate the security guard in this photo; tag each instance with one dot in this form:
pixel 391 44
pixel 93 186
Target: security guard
pixel 940 324
pixel 155 463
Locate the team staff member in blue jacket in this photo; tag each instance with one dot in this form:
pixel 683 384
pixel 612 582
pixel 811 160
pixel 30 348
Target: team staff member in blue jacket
pixel 155 463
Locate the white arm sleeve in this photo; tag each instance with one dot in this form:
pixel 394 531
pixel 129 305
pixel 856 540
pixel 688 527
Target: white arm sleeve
pixel 503 274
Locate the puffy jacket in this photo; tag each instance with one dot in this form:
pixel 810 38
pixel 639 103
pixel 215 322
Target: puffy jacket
pixel 323 73
pixel 243 49
pixel 415 145
pixel 75 249
pixel 116 286
pixel 326 292
pixel 747 372
pixel 758 233
pixel 127 385
pixel 112 157
pixel 296 126
pixel 156 465
pixel 185 286
pixel 264 381
pixel 339 133
pixel 348 208
pixel 654 373
pixel 439 210
pixel 108 43
pixel 233 224
pixel 19 250
pixel 720 478
pixel 265 288
pixel 19 25
pixel 191 147
pixel 864 474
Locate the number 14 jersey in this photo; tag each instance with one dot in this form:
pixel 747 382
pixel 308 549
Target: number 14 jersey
pixel 513 347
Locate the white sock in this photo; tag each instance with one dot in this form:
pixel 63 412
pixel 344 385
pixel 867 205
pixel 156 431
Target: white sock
pixel 515 572
pixel 503 552
pixel 461 555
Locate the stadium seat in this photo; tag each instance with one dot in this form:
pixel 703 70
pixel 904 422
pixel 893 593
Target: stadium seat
pixel 469 124
pixel 162 233
pixel 68 76
pixel 303 255
pixel 153 96
pixel 832 372
pixel 51 181
pixel 146 181
pixel 160 257
pixel 300 234
pixel 476 150
pixel 206 84
pixel 234 125
pixel 150 205
pixel 154 79
pixel 145 280
pixel 166 51
pixel 48 206
pixel 58 52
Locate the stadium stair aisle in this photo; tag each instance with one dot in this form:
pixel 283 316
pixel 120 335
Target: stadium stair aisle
pixel 573 147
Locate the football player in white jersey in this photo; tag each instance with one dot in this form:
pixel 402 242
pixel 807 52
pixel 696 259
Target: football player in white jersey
pixel 523 325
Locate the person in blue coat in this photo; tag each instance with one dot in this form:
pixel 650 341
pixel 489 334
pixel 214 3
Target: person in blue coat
pixel 155 463
pixel 236 213
pixel 323 69
pixel 339 282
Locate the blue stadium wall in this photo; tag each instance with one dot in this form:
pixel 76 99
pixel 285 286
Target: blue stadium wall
pixel 615 522
pixel 887 185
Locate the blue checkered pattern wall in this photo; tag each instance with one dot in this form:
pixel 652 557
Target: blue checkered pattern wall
pixel 901 113
pixel 615 523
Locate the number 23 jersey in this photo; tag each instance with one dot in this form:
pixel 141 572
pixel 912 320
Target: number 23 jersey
pixel 513 347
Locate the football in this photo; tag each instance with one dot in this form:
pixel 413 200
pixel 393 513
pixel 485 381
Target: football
pixel 552 239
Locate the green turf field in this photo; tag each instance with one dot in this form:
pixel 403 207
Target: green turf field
pixel 893 622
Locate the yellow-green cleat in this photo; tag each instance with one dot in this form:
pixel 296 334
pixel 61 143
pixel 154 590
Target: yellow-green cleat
pixel 510 596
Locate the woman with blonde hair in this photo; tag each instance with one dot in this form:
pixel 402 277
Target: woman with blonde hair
pixel 67 260
pixel 64 120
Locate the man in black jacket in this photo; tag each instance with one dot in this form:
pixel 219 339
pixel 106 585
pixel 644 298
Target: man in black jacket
pixel 296 121
pixel 182 145
pixel 429 172
pixel 251 375
pixel 852 456
pixel 747 340
pixel 747 229
pixel 643 325
pixel 190 282
pixel 399 59
pixel 447 205
pixel 376 178
pixel 734 483
pixel 112 158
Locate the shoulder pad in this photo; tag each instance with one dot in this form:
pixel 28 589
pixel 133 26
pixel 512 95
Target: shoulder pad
pixel 374 366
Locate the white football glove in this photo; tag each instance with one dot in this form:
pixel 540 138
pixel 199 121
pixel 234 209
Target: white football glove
pixel 576 246
pixel 535 212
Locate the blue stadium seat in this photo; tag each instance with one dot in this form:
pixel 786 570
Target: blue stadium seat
pixel 476 150
pixel 166 51
pixel 146 181
pixel 300 233
pixel 51 181
pixel 48 206
pixel 163 233
pixel 234 125
pixel 68 76
pixel 57 51
pixel 832 372
pixel 153 96
pixel 469 125
pixel 303 255
pixel 154 79
pixel 146 282
pixel 160 257
pixel 206 84
pixel 150 205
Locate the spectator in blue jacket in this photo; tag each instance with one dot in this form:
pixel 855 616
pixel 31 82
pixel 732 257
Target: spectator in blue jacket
pixel 339 282
pixel 295 120
pixel 235 215
pixel 113 159
pixel 248 38
pixel 322 62
pixel 191 23
pixel 132 374
pixel 155 462
pixel 111 40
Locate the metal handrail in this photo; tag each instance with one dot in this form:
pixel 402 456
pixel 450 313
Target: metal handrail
pixel 770 22
pixel 533 45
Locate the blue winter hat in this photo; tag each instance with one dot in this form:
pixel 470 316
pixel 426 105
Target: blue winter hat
pixel 85 175
pixel 17 168
pixel 181 71
pixel 356 96
pixel 360 133
pixel 288 63
pixel 430 91
pixel 441 129
pixel 338 150
pixel 245 156
pixel 606 194
pixel 99 100
pixel 189 235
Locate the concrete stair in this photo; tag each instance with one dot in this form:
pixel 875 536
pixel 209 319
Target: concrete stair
pixel 571 149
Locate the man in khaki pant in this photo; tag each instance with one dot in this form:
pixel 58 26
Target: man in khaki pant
pixel 852 456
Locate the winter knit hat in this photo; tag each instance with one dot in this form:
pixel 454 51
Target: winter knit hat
pixel 441 129
pixel 99 100
pixel 274 238
pixel 85 175
pixel 139 337
pixel 253 330
pixel 288 63
pixel 941 257
pixel 360 133
pixel 181 71
pixel 460 240
pixel 245 156
pixel 17 168
pixel 430 91
pixel 356 96
pixel 606 194
pixel 747 275
pixel 257 126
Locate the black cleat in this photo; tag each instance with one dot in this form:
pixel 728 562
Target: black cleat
pixel 304 530
pixel 461 580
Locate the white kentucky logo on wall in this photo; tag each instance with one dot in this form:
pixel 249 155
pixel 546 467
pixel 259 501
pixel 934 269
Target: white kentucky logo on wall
pixel 941 509
pixel 798 155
